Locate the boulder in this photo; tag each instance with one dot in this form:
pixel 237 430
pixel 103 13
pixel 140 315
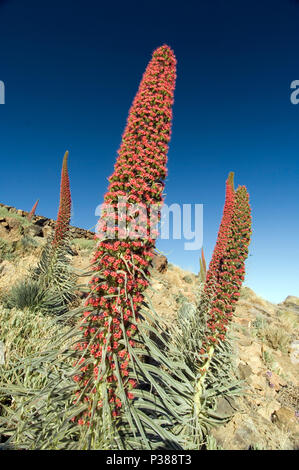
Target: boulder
pixel 160 263
pixel 246 435
pixel 292 302
pixel 6 267
pixel 3 231
pixel 72 251
pixel 246 341
pixel 245 371
pixel 258 382
pixel 13 210
pixel 13 223
pixel 33 231
pixel 47 231
pixel 267 408
pixel 226 407
pixel 286 419
pixel 41 221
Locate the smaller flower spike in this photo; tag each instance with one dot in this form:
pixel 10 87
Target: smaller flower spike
pixel 32 212
pixel 64 213
pixel 225 279
pixel 203 267
pixel 225 275
pixel 222 239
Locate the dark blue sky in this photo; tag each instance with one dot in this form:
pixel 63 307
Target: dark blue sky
pixel 72 68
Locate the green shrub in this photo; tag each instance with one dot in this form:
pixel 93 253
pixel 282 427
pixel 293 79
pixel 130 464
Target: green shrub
pixel 10 250
pixel 49 288
pixel 26 294
pixel 180 298
pixel 188 279
pixel 259 324
pixel 27 243
pixel 6 250
pixel 84 244
pixel 268 359
pixel 55 275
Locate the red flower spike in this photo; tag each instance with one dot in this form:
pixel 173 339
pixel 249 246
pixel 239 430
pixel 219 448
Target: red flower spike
pixel 64 212
pixel 222 239
pixel 227 266
pixel 32 212
pixel 203 261
pixel 121 263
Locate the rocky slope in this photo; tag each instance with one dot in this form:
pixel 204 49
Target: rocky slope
pixel 266 341
pixel 13 220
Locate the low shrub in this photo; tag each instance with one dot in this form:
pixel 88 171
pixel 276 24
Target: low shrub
pixel 276 337
pixel 272 335
pixel 6 250
pixel 26 294
pixel 83 244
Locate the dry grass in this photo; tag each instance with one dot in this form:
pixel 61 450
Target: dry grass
pixel 16 271
pixel 23 333
pixel 276 338
pixel 289 321
pixel 272 334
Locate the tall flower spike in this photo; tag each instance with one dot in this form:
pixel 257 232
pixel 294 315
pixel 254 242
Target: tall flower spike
pixel 222 239
pixel 230 270
pixel 122 259
pixel 32 212
pixel 203 267
pixel 237 249
pixel 64 212
pixel 225 276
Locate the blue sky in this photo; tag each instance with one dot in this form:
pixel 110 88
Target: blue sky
pixel 71 70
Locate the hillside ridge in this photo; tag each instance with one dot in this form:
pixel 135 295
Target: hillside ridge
pixel 46 224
